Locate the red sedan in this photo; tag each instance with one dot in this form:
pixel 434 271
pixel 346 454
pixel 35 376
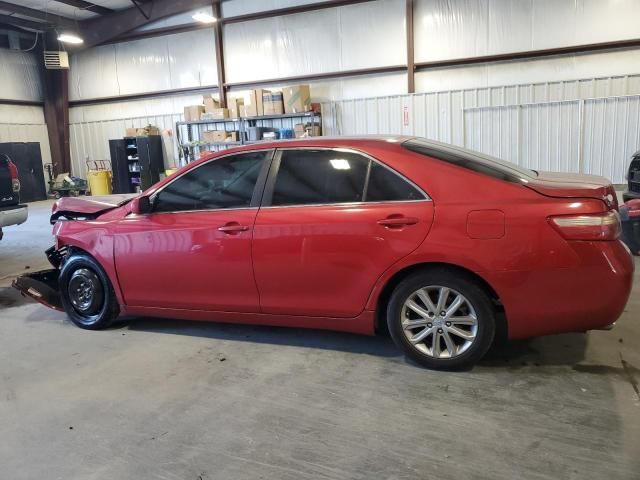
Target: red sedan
pixel 443 246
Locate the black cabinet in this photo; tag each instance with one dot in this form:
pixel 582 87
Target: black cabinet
pixel 137 163
pixel 28 159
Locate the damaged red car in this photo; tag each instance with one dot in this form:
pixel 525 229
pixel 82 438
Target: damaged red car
pixel 444 247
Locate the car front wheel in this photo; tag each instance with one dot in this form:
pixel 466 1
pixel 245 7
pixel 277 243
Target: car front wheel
pixel 86 292
pixel 441 320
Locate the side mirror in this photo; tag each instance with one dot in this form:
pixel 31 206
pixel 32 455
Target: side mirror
pixel 141 205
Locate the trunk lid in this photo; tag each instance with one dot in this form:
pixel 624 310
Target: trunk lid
pixel 574 185
pixel 75 208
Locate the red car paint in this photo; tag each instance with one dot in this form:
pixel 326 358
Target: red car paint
pixel 328 266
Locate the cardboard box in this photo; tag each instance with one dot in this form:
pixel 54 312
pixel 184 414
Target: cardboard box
pixel 307 130
pixel 234 105
pixel 232 136
pixel 142 132
pixel 297 99
pixel 193 113
pixel 272 103
pixel 253 106
pixel 214 136
pixel 210 104
pixel 218 114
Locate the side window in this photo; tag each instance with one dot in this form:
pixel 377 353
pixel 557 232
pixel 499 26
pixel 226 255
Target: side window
pixel 225 183
pixel 386 186
pixel 308 177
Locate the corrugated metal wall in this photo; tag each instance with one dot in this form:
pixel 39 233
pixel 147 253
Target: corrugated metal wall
pixel 25 124
pixel 90 140
pixel 589 126
pixel 537 125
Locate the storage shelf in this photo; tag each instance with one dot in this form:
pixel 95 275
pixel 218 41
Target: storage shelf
pixel 212 121
pixel 283 116
pixel 242 125
pixel 214 144
pixel 259 117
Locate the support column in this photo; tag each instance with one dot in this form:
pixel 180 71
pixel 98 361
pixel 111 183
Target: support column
pixel 217 30
pixel 56 109
pixel 411 68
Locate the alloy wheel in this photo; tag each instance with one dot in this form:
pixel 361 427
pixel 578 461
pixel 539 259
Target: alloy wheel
pixel 439 322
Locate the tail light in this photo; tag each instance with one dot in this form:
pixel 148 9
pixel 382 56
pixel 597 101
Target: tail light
pixel 597 226
pixel 13 170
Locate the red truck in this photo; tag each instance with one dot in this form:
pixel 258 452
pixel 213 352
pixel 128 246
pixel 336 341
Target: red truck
pixel 11 211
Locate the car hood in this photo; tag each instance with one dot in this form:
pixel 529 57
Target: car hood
pixel 77 208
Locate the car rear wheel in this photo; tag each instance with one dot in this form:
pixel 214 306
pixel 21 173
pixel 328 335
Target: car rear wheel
pixel 86 292
pixel 441 320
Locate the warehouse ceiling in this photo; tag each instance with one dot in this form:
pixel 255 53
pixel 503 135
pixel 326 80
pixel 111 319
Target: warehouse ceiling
pixel 95 20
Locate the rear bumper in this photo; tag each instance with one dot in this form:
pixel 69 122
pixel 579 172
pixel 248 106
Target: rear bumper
pixel 588 296
pixel 13 215
pixel 42 287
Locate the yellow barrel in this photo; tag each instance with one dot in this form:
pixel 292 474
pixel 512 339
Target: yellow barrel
pixel 99 182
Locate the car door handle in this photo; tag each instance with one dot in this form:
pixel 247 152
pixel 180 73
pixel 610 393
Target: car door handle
pixel 397 221
pixel 233 228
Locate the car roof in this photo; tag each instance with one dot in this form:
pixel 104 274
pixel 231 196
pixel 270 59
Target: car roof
pixel 334 141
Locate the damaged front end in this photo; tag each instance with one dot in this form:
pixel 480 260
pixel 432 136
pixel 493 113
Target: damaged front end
pixel 43 286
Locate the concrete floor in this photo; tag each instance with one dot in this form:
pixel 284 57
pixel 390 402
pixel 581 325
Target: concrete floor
pixel 180 400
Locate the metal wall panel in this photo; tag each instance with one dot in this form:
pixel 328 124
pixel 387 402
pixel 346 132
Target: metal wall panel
pixel 537 125
pixel 90 140
pixel 536 136
pixel 611 135
pixel 25 124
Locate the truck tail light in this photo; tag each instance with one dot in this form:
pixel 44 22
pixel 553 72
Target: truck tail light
pixel 596 226
pixel 15 182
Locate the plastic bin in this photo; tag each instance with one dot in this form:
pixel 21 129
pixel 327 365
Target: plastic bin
pixel 99 177
pixel 630 217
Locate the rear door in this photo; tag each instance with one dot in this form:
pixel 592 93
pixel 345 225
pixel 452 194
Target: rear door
pixel 332 221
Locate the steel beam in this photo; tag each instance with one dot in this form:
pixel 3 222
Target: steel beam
pixel 88 6
pixel 22 23
pixel 99 30
pixel 411 77
pixel 38 14
pixel 20 103
pixel 217 31
pixel 237 19
pixel 56 112
pixel 530 54
pixel 144 96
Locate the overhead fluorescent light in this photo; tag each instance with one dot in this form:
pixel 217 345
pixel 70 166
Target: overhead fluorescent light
pixel 70 38
pixel 204 17
pixel 340 164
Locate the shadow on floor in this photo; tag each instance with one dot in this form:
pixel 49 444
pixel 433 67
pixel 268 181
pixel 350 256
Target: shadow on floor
pixel 10 297
pixel 558 350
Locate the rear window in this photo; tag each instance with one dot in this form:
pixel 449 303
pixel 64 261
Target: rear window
pixel 471 160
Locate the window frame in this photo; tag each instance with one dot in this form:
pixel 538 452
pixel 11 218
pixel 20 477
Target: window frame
pixel 258 188
pixel 267 196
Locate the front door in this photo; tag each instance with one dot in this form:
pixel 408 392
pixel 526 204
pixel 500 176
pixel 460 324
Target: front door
pixel 333 221
pixel 194 250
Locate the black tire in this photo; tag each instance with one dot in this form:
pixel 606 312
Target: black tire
pixel 478 300
pixel 96 306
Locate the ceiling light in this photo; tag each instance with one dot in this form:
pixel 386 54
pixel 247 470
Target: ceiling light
pixel 340 164
pixel 204 18
pixel 70 38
